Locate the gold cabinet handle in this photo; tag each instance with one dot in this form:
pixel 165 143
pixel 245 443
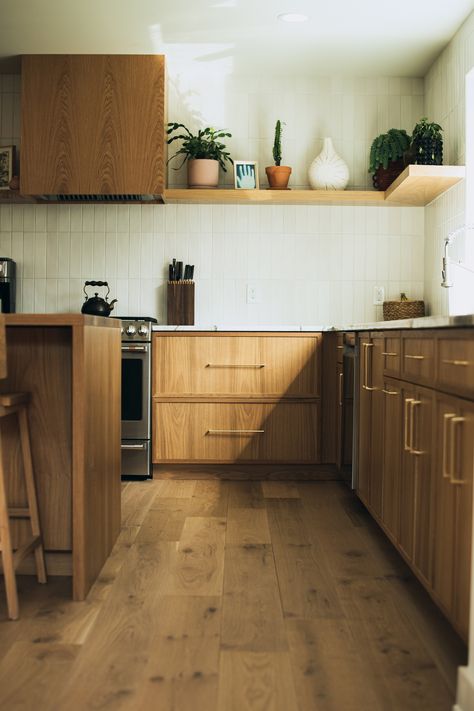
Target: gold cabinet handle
pixel 446 418
pixel 455 421
pixel 390 392
pixel 340 348
pixel 406 444
pixel 389 353
pixel 365 386
pixel 239 432
pixel 341 378
pixel 235 365
pixel 456 362
pixel 415 357
pixel 413 405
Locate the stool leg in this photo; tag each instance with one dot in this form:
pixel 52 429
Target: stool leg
pixel 6 547
pixel 31 493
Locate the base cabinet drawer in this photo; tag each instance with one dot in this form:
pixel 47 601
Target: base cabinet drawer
pixel 235 432
pixel 236 365
pixel 455 362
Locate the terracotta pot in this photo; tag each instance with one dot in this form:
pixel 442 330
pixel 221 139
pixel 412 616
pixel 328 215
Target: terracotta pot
pixel 278 176
pixel 383 177
pixel 203 173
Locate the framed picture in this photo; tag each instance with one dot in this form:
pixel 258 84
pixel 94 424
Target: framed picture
pixel 246 175
pixel 6 166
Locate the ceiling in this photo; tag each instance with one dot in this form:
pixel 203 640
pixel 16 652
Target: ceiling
pixel 399 38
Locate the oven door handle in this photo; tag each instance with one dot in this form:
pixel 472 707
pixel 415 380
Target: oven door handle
pixel 133 446
pixel 135 349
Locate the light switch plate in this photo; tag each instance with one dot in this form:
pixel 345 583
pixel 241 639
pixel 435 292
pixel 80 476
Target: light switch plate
pixel 379 295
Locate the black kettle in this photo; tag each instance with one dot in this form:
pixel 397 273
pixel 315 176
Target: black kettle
pixel 95 305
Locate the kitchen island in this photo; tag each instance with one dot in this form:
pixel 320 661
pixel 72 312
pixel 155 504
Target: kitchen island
pixel 70 364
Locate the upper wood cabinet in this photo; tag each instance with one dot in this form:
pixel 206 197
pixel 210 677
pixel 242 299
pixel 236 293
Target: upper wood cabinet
pixel 93 125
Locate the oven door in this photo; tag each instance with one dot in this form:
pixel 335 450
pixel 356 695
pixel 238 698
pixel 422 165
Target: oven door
pixel 136 390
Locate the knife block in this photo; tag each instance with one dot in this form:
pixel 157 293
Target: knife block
pixel 181 303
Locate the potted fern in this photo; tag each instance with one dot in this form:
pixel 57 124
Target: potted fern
pixel 203 151
pixel 427 143
pixel 388 157
pixel 278 175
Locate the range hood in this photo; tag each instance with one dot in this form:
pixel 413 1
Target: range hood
pixel 93 128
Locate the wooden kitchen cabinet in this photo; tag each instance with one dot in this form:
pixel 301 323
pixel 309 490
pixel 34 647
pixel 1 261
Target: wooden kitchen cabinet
pixel 392 457
pixel 371 421
pixel 220 432
pixel 244 364
pixel 454 462
pixel 455 363
pixel 392 354
pixel 236 398
pixel 93 125
pixel 418 357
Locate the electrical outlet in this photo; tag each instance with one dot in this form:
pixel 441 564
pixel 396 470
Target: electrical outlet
pixel 379 295
pixel 253 294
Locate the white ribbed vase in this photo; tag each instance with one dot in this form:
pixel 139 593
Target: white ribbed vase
pixel 328 171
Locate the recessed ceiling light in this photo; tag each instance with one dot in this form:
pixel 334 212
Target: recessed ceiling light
pixel 293 17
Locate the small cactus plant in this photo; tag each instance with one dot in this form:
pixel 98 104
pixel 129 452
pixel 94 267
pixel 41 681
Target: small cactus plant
pixel 277 143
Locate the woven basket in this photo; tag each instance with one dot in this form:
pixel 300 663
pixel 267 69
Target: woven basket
pixel 394 310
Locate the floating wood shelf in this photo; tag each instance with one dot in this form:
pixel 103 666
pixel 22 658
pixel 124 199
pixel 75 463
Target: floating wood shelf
pixel 418 185
pixel 421 184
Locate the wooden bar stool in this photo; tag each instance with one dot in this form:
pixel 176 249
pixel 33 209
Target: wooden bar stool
pixel 16 404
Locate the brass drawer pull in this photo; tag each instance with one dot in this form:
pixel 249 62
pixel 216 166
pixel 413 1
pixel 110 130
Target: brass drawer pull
pixel 388 353
pixel 456 362
pixel 240 432
pixel 446 418
pixel 415 357
pixel 341 388
pixel 413 404
pixel 454 450
pixel 236 365
pixel 390 392
pixel 340 348
pixel 406 443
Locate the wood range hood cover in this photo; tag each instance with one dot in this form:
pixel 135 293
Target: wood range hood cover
pixel 93 128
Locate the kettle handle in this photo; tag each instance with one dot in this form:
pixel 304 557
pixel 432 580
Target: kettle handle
pixel 96 283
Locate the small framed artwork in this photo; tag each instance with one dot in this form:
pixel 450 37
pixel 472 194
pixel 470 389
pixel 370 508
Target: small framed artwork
pixel 6 166
pixel 246 175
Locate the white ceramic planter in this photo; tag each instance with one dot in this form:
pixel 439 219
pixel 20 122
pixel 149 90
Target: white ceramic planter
pixel 328 171
pixel 203 173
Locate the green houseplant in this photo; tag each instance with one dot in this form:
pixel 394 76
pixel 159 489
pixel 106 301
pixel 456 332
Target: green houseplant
pixel 427 143
pixel 203 151
pixel 278 175
pixel 388 157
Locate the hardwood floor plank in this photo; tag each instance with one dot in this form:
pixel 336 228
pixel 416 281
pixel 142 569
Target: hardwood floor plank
pixel 306 588
pixel 165 520
pixel 137 498
pixel 183 661
pixel 197 562
pixel 287 523
pixel 31 674
pixel 174 489
pixel 246 495
pixel 210 498
pixel 280 490
pixel 328 672
pixel 246 526
pixel 256 681
pixel 252 617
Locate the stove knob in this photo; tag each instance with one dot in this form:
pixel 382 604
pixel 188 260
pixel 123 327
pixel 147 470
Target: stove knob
pixel 131 330
pixel 143 331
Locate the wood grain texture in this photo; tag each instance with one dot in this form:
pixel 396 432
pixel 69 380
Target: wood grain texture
pixel 420 184
pixel 370 638
pixel 235 432
pixel 3 348
pixel 96 451
pixel 247 365
pixel 93 124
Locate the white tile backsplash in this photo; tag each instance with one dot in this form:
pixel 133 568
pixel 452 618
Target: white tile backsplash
pixel 309 263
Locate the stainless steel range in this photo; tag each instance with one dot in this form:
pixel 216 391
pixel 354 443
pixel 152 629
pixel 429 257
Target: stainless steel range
pixel 136 397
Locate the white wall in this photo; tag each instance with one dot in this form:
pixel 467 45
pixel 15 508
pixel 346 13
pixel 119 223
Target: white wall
pixel 445 102
pixel 311 265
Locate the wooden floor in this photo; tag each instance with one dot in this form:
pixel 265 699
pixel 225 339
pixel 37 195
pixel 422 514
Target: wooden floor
pixel 234 596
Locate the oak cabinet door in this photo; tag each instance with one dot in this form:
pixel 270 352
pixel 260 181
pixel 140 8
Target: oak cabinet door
pixel 454 437
pixel 407 474
pixel 392 456
pixel 365 420
pixel 376 366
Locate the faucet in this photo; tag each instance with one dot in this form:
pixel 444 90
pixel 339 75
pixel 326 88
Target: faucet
pixel 445 273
